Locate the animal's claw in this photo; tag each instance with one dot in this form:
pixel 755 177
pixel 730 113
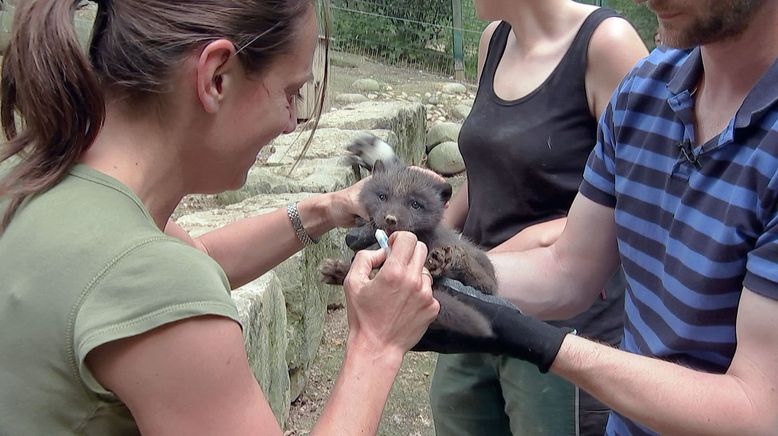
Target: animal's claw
pixel 439 260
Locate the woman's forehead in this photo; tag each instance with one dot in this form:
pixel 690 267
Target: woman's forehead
pixel 297 65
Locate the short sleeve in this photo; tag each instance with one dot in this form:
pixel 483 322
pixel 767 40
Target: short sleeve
pixel 598 182
pixel 762 262
pixel 152 284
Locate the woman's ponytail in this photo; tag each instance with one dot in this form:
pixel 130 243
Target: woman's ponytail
pixel 52 105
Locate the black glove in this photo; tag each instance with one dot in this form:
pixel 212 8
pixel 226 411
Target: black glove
pixel 473 322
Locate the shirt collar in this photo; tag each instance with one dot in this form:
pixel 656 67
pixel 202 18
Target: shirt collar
pixel 762 97
pixel 688 74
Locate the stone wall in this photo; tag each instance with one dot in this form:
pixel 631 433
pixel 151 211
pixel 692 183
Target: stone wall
pixel 283 311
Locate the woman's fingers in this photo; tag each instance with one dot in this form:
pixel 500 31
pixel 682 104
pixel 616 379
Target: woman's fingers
pixel 365 261
pixel 403 247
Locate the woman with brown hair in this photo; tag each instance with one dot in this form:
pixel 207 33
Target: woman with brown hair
pixel 108 325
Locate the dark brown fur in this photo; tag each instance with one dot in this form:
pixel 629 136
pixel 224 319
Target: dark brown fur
pixel 399 197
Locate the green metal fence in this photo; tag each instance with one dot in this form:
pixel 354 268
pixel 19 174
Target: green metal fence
pixel 404 32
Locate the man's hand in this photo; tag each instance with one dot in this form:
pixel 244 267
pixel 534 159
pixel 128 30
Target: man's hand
pixel 491 325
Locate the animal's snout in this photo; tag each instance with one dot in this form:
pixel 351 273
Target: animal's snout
pixel 391 220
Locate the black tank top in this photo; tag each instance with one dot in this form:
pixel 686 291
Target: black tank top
pixel 525 158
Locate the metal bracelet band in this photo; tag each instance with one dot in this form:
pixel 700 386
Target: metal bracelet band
pixel 297 225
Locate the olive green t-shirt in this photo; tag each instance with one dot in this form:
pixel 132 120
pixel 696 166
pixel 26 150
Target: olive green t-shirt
pixel 81 265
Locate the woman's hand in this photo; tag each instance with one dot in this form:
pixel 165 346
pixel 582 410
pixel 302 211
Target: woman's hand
pixel 344 207
pixel 390 312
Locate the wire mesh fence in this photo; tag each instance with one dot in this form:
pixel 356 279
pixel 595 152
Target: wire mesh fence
pixel 406 33
pixel 422 35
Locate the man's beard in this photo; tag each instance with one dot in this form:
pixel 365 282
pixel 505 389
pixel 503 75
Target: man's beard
pixel 726 19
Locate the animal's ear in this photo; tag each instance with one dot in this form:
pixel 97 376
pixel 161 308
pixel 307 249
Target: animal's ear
pixel 379 167
pixel 445 192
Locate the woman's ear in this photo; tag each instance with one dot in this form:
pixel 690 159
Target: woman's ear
pixel 214 70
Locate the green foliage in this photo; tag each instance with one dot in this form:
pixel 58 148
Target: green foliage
pixel 473 27
pixel 420 32
pixel 396 30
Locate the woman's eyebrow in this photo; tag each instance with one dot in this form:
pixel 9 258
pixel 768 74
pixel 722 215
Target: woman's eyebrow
pixel 308 78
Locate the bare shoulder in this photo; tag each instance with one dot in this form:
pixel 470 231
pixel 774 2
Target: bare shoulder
pixel 486 35
pixel 483 45
pixel 614 49
pixel 614 38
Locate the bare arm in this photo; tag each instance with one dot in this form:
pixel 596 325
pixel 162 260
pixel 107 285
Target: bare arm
pixel 250 247
pixel 614 49
pixel 192 377
pixel 563 279
pixel 539 235
pixel 456 212
pixel 672 399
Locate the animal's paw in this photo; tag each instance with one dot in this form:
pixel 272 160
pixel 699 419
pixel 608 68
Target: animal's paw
pixel 333 271
pixel 439 261
pixel 458 256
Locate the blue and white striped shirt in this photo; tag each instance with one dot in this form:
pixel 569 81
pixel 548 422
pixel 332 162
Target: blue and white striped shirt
pixel 692 232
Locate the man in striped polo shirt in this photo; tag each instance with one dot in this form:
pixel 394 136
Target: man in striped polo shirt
pixel 682 188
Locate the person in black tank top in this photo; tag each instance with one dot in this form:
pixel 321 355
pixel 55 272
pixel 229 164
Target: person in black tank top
pixel 525 148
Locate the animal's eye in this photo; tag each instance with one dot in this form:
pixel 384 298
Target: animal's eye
pixel 382 197
pixel 415 204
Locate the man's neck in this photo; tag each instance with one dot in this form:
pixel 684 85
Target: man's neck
pixel 732 67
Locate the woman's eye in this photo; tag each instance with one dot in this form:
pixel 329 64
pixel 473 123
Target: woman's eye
pixel 296 98
pixel 415 204
pixel 382 197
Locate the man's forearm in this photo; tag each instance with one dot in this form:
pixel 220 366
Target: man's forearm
pixel 538 283
pixel 668 398
pixel 563 279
